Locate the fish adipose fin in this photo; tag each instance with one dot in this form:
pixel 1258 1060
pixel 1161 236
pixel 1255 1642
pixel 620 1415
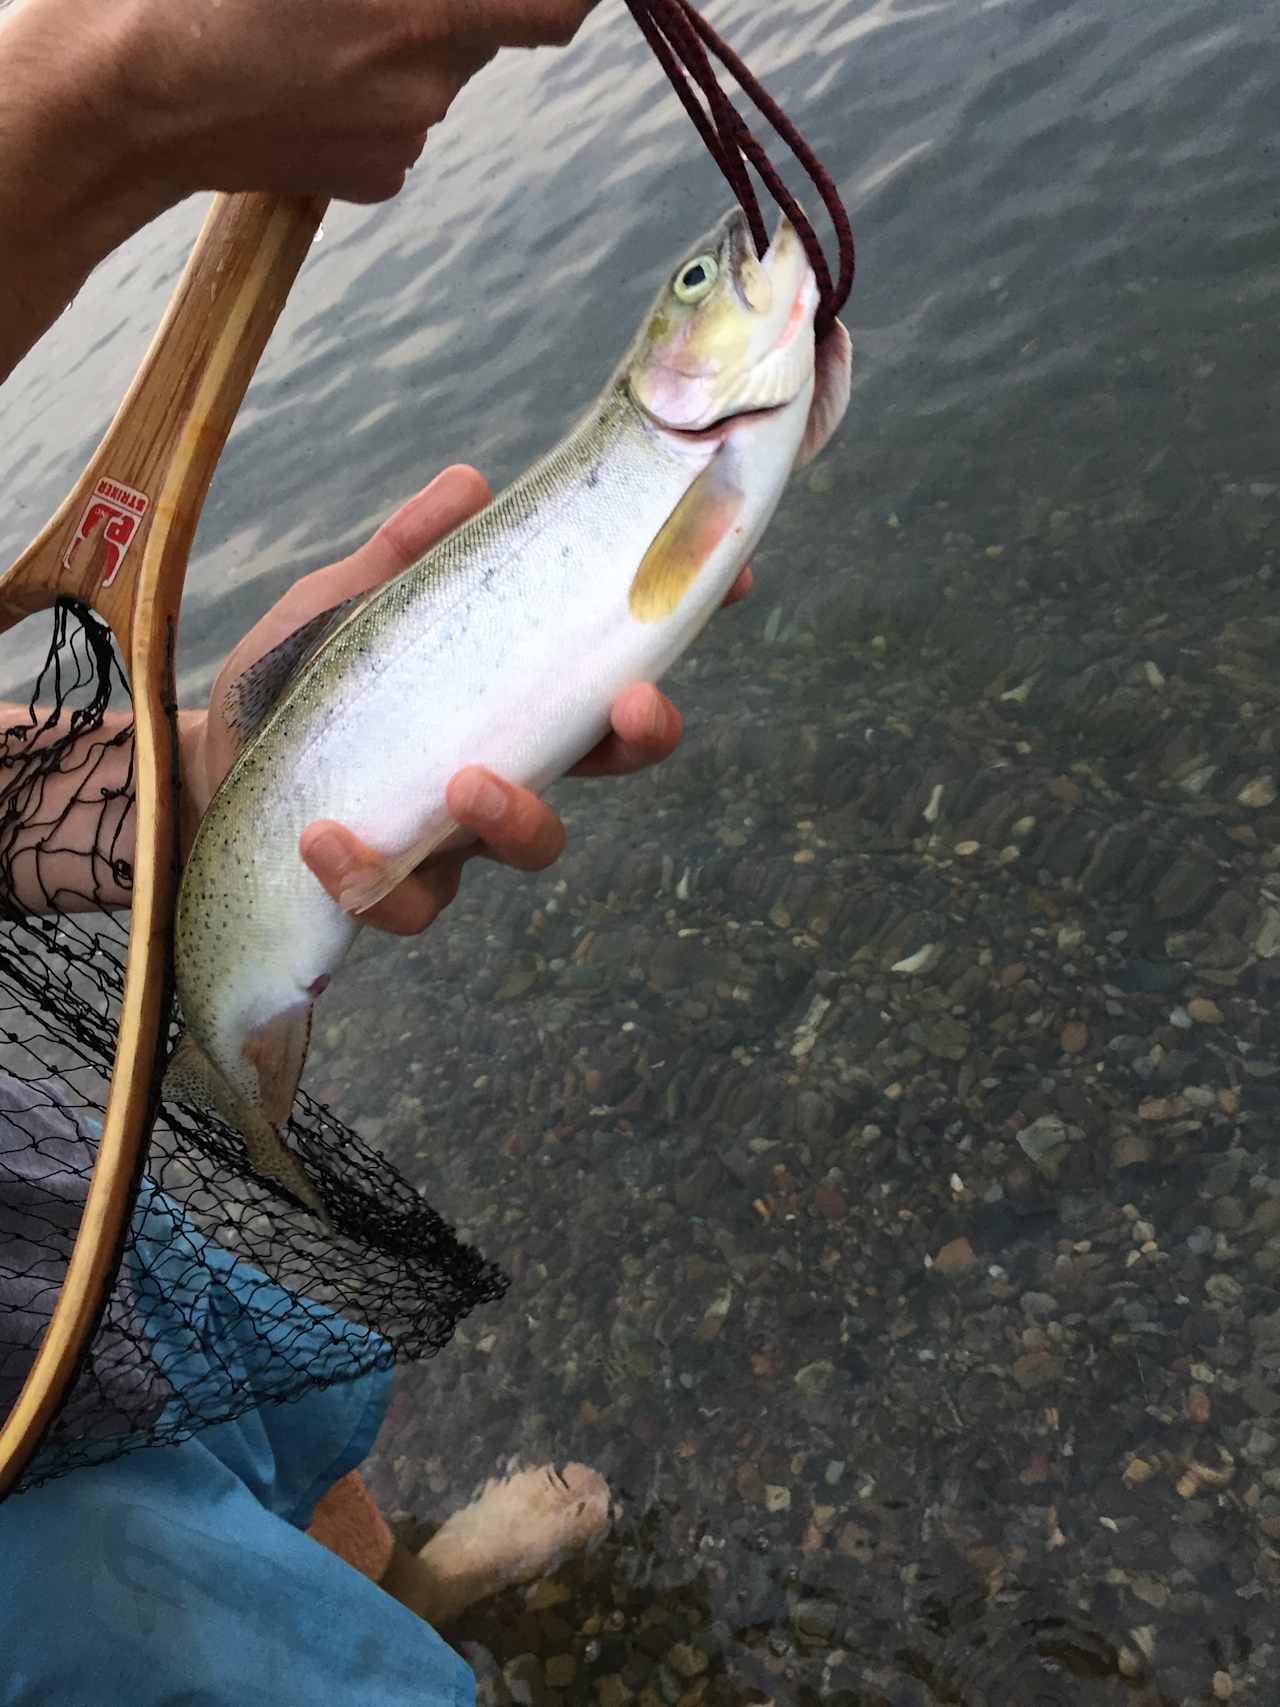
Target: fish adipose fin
pixel 192 1078
pixel 686 541
pixel 832 383
pixel 253 696
pixel 366 891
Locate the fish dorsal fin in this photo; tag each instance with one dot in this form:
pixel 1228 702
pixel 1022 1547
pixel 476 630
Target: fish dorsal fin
pixel 832 383
pixel 252 697
pixel 685 542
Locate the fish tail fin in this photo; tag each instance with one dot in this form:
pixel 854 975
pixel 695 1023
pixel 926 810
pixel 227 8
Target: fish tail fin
pixel 191 1077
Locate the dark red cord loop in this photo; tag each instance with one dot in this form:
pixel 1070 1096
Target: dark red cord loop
pixel 681 38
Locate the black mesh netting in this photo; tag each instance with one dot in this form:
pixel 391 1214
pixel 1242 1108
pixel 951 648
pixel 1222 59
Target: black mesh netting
pixel 226 1294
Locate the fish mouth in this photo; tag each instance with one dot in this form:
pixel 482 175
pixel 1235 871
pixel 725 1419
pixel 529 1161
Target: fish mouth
pixel 718 428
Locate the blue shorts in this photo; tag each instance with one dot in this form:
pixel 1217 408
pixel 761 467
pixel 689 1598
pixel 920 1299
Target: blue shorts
pixel 182 1574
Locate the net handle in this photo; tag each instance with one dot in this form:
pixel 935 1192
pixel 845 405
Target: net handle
pixel 120 542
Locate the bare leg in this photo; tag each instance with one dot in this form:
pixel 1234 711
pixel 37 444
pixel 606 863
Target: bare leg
pixel 517 1529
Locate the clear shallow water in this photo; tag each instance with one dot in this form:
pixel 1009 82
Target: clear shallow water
pixel 678 1086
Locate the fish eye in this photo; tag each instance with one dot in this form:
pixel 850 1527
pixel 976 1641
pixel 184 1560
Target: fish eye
pixel 695 278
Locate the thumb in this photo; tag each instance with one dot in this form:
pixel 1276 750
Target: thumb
pixel 441 506
pixel 453 496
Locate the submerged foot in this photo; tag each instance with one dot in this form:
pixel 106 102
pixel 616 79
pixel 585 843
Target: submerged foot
pixel 523 1526
pixel 517 1529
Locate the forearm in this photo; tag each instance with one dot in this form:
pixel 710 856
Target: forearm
pixel 75 847
pixel 70 192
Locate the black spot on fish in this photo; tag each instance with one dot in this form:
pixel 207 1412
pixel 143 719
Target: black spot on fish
pixel 593 474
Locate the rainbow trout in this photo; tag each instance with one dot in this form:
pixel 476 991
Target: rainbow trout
pixel 505 645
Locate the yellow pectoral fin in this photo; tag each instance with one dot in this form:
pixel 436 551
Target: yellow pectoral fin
pixel 688 538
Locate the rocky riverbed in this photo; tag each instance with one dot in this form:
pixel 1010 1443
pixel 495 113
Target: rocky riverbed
pixel 876 1113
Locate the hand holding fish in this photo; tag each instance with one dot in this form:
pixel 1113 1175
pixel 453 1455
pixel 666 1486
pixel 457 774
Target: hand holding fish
pixel 510 824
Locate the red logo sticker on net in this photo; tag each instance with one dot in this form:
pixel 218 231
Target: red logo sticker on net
pixel 118 511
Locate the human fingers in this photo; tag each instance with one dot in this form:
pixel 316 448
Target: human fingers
pixel 517 23
pixel 375 143
pixel 327 97
pixel 646 729
pixel 741 587
pixel 453 497
pixel 443 504
pixel 509 825
pixel 646 725
pixel 447 501
pixel 512 824
pixel 341 862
